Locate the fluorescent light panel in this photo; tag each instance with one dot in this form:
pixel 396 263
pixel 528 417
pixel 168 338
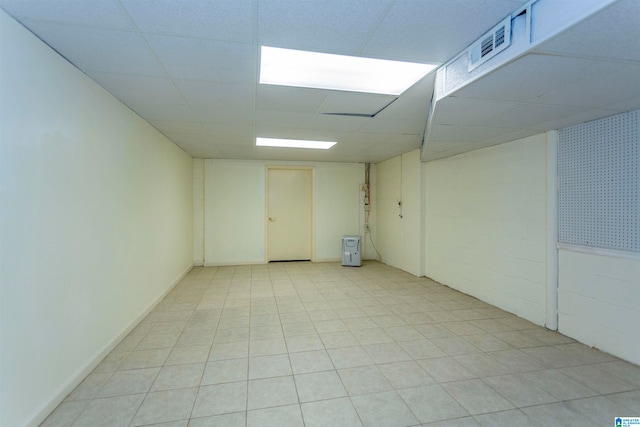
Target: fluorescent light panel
pixel 294 143
pixel 286 67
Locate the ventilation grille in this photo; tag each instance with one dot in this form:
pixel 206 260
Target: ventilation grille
pixel 489 45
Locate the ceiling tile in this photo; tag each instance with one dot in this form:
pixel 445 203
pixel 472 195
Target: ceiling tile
pixel 599 90
pixel 430 31
pixel 330 26
pixel 174 127
pixel 220 114
pixel 221 19
pixel 456 133
pixel 531 115
pixel 280 118
pixel 620 22
pixel 531 77
pixel 92 49
pixel 355 103
pixel 337 123
pixel 285 98
pixel 201 59
pixel 103 13
pixel 469 111
pixel 150 112
pixel 207 93
pixel 143 88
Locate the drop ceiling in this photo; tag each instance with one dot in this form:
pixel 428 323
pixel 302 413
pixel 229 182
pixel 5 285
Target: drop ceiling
pixel 190 68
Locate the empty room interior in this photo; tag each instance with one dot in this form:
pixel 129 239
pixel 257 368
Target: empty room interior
pixel 319 213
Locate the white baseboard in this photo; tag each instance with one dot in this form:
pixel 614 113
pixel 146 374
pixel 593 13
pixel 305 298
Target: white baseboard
pixel 81 374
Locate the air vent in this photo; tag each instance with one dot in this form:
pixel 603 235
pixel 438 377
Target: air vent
pixel 490 44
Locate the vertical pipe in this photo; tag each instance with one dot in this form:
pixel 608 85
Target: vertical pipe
pixel 552 230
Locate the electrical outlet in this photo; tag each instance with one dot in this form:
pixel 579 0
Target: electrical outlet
pixel 366 228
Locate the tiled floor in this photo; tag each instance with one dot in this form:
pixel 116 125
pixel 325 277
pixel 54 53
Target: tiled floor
pixel 301 344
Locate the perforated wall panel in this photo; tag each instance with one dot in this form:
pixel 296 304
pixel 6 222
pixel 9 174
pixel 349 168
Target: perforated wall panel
pixel 599 183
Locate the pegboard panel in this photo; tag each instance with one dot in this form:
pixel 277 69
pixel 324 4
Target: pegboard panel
pixel 599 183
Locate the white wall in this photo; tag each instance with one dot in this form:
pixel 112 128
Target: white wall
pixel 198 212
pixel 599 289
pixel 234 209
pixel 398 239
pixel 96 223
pixel 485 225
pixel 599 301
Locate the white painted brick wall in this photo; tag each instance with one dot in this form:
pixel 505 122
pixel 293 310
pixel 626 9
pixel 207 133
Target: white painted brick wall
pixel 398 239
pixel 485 225
pixel 599 301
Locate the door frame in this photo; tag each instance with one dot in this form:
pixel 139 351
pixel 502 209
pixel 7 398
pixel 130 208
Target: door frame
pixel 312 170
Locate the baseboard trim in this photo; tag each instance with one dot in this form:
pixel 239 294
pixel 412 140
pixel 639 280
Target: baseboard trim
pixel 79 376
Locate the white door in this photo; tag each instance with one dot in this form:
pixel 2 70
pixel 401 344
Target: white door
pixel 289 215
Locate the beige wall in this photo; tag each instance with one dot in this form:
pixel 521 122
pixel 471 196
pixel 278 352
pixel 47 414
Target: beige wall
pixel 96 224
pixel 234 209
pixel 398 238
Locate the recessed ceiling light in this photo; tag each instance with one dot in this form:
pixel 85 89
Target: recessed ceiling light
pixel 294 143
pixel 286 67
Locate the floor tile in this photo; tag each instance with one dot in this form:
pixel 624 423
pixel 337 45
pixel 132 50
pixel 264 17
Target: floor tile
pixel 230 350
pixel 386 353
pixel 110 412
pixel 597 378
pixel 487 342
pixel 310 361
pixel 237 419
pixel 367 379
pixel 457 422
pixel 178 376
pixel 431 403
pixel 196 338
pixel 65 414
pixel 405 374
pixel 403 333
pixel 324 326
pixel 561 386
pixel 629 399
pixel 303 328
pixel 225 371
pixel 477 397
pixel 556 414
pixel 270 392
pixel 383 409
pixel 156 341
pixel 134 381
pixel 145 359
pixel 481 364
pixel 319 386
pixel 513 417
pixel 519 391
pixel 269 366
pixel 165 406
pixel 238 344
pixel 600 410
pixel 185 355
pixel 282 416
pixel 372 336
pixel 220 399
pixel 455 345
pixel 422 349
pixel 445 369
pixel 330 413
pixel 350 357
pixel 267 347
pixel 338 339
pixel 89 387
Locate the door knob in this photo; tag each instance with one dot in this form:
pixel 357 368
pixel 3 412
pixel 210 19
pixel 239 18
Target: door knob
pixel 272 219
